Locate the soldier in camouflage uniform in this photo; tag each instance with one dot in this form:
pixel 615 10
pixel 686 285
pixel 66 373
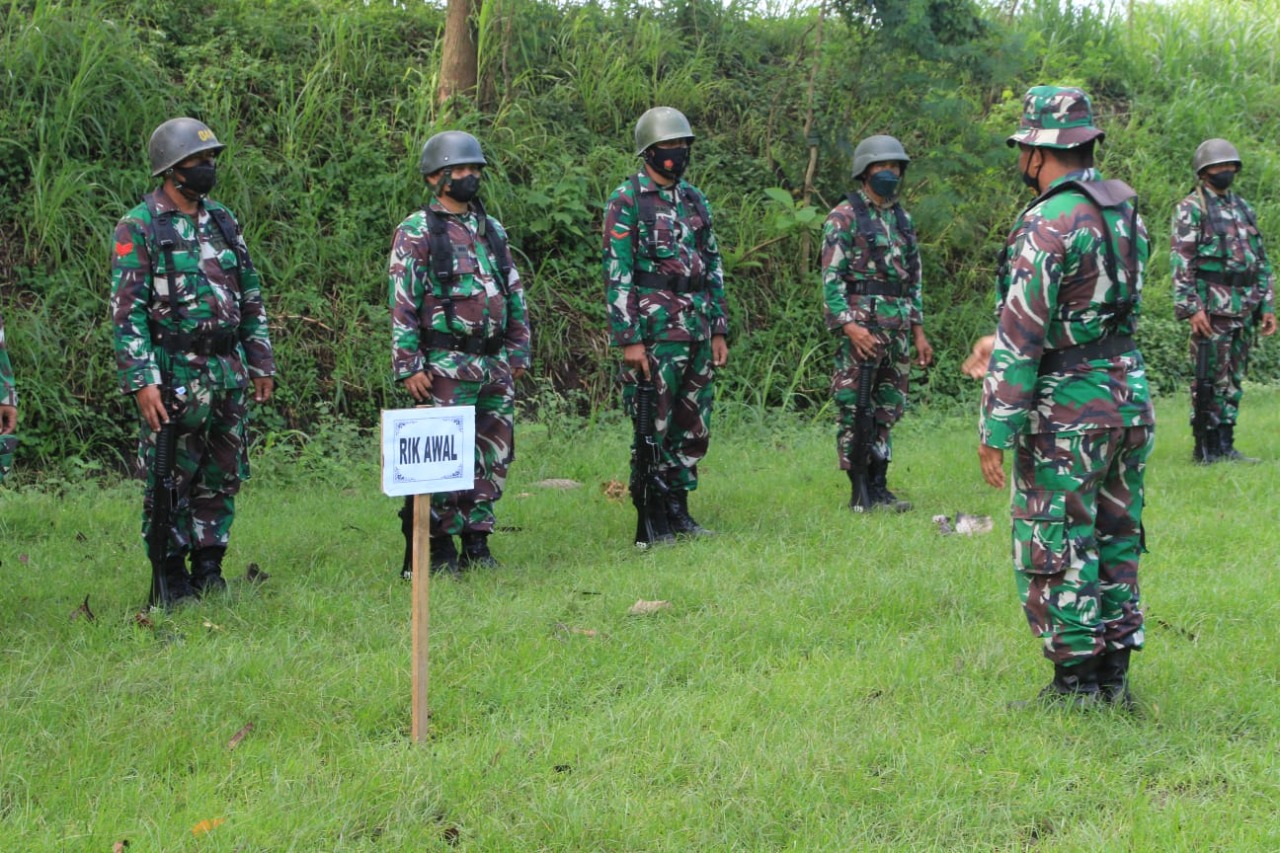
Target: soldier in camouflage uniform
pixel 460 337
pixel 1223 286
pixel 871 289
pixel 186 304
pixel 665 291
pixel 8 408
pixel 1066 388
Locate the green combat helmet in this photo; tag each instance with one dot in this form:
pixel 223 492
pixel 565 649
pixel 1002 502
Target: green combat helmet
pixel 450 148
pixel 878 149
pixel 176 140
pixel 661 124
pixel 1055 117
pixel 1214 151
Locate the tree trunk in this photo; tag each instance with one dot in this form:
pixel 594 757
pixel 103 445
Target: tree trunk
pixel 458 62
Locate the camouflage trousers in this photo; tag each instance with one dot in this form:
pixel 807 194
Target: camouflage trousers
pixel 892 381
pixel 1077 538
pixel 1231 343
pixel 684 384
pixel 210 464
pixel 495 403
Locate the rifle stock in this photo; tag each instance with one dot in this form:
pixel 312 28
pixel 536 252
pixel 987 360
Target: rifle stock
pixel 864 427
pixel 648 491
pixel 1203 419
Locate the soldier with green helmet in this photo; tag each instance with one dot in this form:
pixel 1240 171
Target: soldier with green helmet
pixel 871 280
pixel 186 306
pixel 1065 388
pixel 664 288
pixel 460 337
pixel 1224 287
pixel 8 408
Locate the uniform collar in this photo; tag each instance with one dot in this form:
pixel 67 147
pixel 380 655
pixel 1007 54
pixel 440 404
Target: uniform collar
pixel 159 201
pixel 1084 176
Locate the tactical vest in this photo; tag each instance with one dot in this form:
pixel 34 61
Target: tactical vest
pixel 1218 228
pixel 866 228
pixel 1103 195
pixel 647 206
pixel 167 240
pixel 442 269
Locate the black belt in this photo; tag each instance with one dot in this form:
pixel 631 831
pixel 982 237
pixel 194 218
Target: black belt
pixel 873 287
pixel 673 283
pixel 207 343
pixel 1230 279
pixel 467 344
pixel 1055 360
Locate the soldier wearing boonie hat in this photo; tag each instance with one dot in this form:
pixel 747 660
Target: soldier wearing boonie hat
pixel 1064 386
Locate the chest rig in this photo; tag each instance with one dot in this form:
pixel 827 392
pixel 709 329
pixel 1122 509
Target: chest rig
pixel 442 270
pixel 647 207
pixel 881 285
pixel 1217 232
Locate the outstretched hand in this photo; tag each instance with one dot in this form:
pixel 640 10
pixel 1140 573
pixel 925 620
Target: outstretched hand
pixel 975 366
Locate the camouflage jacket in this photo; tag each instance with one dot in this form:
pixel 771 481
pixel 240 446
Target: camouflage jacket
pixel 1054 292
pixel 214 294
pixel 1213 235
pixel 642 314
pixel 481 308
pixel 847 259
pixel 8 389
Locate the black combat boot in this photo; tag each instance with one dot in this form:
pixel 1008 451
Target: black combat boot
pixel 1227 445
pixel 177 584
pixel 1208 448
pixel 206 570
pixel 1113 681
pixel 475 550
pixel 1074 686
pixel 878 473
pixel 682 524
pixel 444 556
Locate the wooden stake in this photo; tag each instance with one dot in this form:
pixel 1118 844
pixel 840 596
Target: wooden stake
pixel 421 612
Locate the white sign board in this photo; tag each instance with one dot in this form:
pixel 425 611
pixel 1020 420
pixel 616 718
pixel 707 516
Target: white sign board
pixel 428 450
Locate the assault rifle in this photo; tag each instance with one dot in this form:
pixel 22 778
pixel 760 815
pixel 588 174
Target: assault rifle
pixel 1202 421
pixel 648 490
pixel 164 494
pixel 864 431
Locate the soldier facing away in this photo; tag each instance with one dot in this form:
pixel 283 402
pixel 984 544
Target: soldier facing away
pixel 186 303
pixel 1066 388
pixel 664 286
pixel 1223 286
pixel 8 407
pixel 871 287
pixel 459 337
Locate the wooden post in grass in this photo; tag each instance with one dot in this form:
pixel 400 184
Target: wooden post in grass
pixel 425 450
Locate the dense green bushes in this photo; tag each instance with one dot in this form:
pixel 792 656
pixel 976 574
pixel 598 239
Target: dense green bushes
pixel 325 103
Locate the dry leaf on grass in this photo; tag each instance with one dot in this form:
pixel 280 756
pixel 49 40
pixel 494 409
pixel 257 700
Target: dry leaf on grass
pixel 206 826
pixel 83 610
pixel 582 632
pixel 558 483
pixel 119 846
pixel 239 736
pixel 614 490
pixel 522 495
pixel 211 626
pixel 253 574
pixel 965 524
pixel 142 620
pixel 644 608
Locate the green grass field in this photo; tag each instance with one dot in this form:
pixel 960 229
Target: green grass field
pixel 821 681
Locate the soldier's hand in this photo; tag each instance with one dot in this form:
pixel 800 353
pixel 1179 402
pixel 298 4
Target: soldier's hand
pixel 720 351
pixel 924 349
pixel 991 461
pixel 419 386
pixel 1268 327
pixel 635 357
pixel 517 372
pixel 1200 326
pixel 262 388
pixel 151 407
pixel 864 343
pixel 8 419
pixel 975 366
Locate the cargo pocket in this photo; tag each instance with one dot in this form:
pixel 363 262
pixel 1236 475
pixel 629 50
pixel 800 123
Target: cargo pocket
pixel 1041 543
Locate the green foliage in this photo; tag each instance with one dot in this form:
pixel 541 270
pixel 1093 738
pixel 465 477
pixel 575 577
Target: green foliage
pixel 324 104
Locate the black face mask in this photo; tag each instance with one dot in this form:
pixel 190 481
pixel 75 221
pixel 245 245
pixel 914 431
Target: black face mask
pixel 1032 181
pixel 1220 180
pixel 195 182
pixel 884 183
pixel 668 162
pixel 463 189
